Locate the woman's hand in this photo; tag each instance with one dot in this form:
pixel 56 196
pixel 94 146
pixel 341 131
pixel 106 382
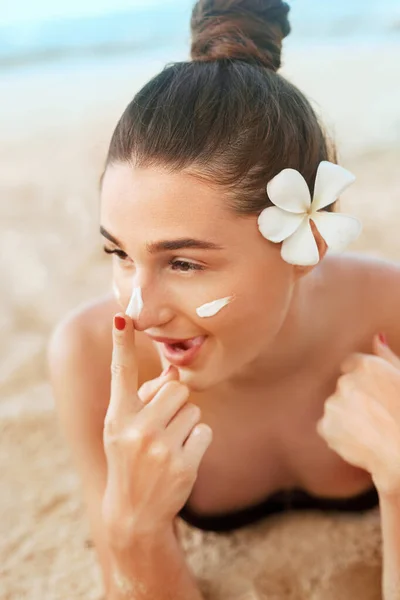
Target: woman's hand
pixel 362 418
pixel 154 443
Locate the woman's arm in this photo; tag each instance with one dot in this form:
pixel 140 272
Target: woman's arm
pixel 80 377
pixel 390 523
pixel 154 443
pixel 361 423
pixel 152 569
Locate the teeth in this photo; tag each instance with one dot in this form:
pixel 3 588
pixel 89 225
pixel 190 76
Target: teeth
pixel 176 347
pixel 190 343
pixel 184 345
pixel 187 344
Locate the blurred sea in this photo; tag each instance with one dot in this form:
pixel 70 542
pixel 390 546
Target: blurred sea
pixel 135 27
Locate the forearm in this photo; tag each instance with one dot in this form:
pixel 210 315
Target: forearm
pixel 390 520
pixel 151 570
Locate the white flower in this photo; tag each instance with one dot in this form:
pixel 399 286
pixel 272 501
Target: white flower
pixel 289 220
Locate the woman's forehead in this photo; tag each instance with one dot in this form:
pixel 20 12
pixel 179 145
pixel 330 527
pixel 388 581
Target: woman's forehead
pixel 154 200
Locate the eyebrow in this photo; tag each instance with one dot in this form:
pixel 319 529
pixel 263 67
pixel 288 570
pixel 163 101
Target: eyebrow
pixel 166 245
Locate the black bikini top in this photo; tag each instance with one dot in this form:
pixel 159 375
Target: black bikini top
pixel 279 502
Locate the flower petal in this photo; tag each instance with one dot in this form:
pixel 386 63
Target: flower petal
pixel 289 191
pixel 276 224
pixel 301 247
pixel 337 230
pixel 331 181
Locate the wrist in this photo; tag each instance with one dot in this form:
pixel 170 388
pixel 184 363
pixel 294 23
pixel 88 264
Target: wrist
pixel 127 531
pixel 389 495
pixel 389 499
pixel 127 539
pixel 153 567
pixel 129 561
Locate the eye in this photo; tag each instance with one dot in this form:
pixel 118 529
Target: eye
pixel 185 266
pixel 120 253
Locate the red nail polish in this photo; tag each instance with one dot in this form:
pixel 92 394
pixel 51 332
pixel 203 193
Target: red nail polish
pixel 383 339
pixel 119 323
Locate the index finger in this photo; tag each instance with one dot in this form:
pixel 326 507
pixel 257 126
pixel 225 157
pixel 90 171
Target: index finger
pixel 124 398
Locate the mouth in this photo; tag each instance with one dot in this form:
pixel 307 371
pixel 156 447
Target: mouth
pixel 181 352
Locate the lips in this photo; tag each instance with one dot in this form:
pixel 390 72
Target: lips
pixel 181 352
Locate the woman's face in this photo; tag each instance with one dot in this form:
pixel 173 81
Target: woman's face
pixel 142 210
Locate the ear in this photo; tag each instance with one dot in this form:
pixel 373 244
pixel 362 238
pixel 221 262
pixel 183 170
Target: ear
pixel 322 249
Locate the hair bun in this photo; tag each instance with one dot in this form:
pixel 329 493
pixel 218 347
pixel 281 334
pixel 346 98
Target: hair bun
pixel 249 30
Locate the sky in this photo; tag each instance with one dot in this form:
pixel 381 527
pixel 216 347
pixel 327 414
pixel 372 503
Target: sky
pixel 17 11
pixel 31 11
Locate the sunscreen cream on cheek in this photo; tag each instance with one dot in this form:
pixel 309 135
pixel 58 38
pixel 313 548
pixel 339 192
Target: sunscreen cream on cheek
pixel 135 305
pixel 212 308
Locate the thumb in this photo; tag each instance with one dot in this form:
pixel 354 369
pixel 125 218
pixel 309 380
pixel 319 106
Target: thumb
pixel 382 349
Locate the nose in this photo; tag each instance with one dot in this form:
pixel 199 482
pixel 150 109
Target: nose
pixel 155 310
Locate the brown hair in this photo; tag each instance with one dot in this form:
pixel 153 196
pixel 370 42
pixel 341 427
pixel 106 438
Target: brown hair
pixel 226 117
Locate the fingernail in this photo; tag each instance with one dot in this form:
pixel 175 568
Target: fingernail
pixel 383 339
pixel 119 323
pixel 166 371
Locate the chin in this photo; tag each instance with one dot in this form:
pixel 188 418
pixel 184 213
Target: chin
pixel 194 380
pixel 201 380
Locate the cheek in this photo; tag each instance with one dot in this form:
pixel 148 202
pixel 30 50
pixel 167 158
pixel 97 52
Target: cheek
pixel 264 304
pixel 274 286
pixel 259 304
pixel 273 299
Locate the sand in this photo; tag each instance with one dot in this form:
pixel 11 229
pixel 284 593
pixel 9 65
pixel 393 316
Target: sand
pixel 55 129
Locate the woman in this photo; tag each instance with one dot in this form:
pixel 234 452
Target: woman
pixel 226 288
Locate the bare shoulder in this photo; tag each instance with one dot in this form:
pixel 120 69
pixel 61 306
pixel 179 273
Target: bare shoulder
pixel 84 331
pixel 81 344
pixel 373 276
pixel 370 286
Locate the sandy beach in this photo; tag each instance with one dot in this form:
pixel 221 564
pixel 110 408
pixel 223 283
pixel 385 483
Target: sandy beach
pixel 55 126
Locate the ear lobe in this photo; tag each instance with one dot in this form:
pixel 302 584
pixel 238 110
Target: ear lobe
pixel 302 271
pixel 322 246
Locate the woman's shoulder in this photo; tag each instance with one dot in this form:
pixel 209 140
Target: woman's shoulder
pixel 85 334
pixel 367 290
pixel 369 275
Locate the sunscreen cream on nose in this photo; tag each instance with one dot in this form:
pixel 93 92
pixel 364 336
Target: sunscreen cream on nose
pixel 135 305
pixel 212 308
pixel 116 291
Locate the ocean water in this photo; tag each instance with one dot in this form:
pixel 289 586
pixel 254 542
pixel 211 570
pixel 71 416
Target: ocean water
pixel 33 33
